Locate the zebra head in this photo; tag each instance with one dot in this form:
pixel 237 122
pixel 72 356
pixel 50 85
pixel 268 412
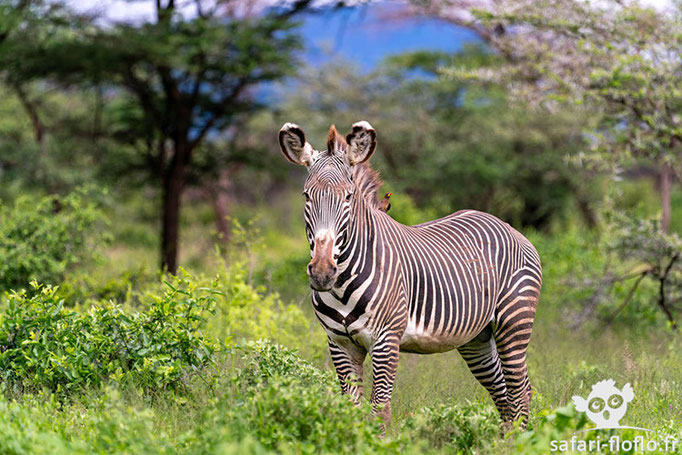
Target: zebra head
pixel 328 191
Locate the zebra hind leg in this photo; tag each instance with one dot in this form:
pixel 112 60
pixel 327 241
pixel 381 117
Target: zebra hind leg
pixel 480 355
pixel 514 318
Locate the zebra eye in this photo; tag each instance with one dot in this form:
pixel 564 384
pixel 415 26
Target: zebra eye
pixel 306 196
pixel 348 196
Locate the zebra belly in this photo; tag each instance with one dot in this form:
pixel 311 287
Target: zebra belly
pixel 423 343
pixel 420 341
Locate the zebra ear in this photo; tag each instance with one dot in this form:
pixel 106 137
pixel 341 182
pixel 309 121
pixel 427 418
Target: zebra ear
pixel 294 146
pixel 362 141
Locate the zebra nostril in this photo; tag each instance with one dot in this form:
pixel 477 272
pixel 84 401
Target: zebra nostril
pixel 310 269
pixel 334 269
pixel 336 257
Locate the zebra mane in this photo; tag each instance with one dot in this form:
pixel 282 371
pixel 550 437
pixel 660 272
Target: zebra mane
pixel 368 182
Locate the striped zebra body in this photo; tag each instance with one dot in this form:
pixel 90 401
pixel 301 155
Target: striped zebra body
pixel 467 281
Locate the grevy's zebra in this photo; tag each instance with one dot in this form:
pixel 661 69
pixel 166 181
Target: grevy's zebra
pixel 467 281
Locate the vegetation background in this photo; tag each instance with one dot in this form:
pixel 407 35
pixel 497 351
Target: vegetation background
pixel 152 253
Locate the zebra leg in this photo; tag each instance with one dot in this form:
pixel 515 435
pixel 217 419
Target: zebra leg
pixel 384 354
pixel 348 359
pixel 480 355
pixel 515 316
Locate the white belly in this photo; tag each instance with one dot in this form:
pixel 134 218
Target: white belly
pixel 415 339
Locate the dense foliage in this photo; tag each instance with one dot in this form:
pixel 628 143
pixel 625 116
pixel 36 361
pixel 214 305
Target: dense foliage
pixel 267 400
pixel 45 346
pixel 41 238
pixel 617 59
pixel 641 258
pixel 451 144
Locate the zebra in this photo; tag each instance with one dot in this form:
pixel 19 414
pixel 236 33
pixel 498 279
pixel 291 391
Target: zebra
pixel 468 281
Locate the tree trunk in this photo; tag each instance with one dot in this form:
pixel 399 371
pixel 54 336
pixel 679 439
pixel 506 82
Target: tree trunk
pixel 173 185
pixel 170 223
pixel 666 176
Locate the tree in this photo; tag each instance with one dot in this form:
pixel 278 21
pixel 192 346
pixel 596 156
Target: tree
pixel 451 144
pixel 40 126
pixel 175 81
pixel 620 58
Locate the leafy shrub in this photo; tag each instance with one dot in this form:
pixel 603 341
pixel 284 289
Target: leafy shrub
pixel 268 400
pixel 284 401
pixel 246 311
pixel 40 238
pixel 551 426
pixel 638 277
pixel 457 429
pixel 284 404
pixel 23 434
pixel 99 285
pixel 45 345
pixel 37 426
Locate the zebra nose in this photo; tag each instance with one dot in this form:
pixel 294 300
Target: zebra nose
pixel 332 269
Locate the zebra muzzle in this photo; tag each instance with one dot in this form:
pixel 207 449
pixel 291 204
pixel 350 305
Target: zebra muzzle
pixel 322 268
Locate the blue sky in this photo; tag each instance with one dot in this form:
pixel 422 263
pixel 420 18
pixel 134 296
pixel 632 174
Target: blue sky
pixel 366 34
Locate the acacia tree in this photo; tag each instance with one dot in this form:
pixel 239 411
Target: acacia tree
pixel 451 144
pixel 621 58
pixel 40 126
pixel 176 80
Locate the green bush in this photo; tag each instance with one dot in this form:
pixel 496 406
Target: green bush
pixel 457 429
pixel 45 345
pixel 273 401
pixel 37 426
pixel 246 311
pixel 23 431
pixel 267 399
pixel 40 238
pixel 99 285
pixel 288 405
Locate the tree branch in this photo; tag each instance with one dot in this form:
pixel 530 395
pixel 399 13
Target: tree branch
pixel 23 4
pixel 32 111
pixel 224 104
pixel 297 7
pixel 627 299
pixel 661 295
pixel 143 92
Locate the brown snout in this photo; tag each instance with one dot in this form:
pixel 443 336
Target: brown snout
pixel 322 268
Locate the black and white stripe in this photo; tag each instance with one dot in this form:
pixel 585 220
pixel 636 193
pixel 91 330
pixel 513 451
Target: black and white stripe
pixel 467 281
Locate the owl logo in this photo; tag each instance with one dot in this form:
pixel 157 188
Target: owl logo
pixel 605 405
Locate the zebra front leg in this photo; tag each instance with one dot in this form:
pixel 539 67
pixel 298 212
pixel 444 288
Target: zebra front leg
pixel 384 354
pixel 348 359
